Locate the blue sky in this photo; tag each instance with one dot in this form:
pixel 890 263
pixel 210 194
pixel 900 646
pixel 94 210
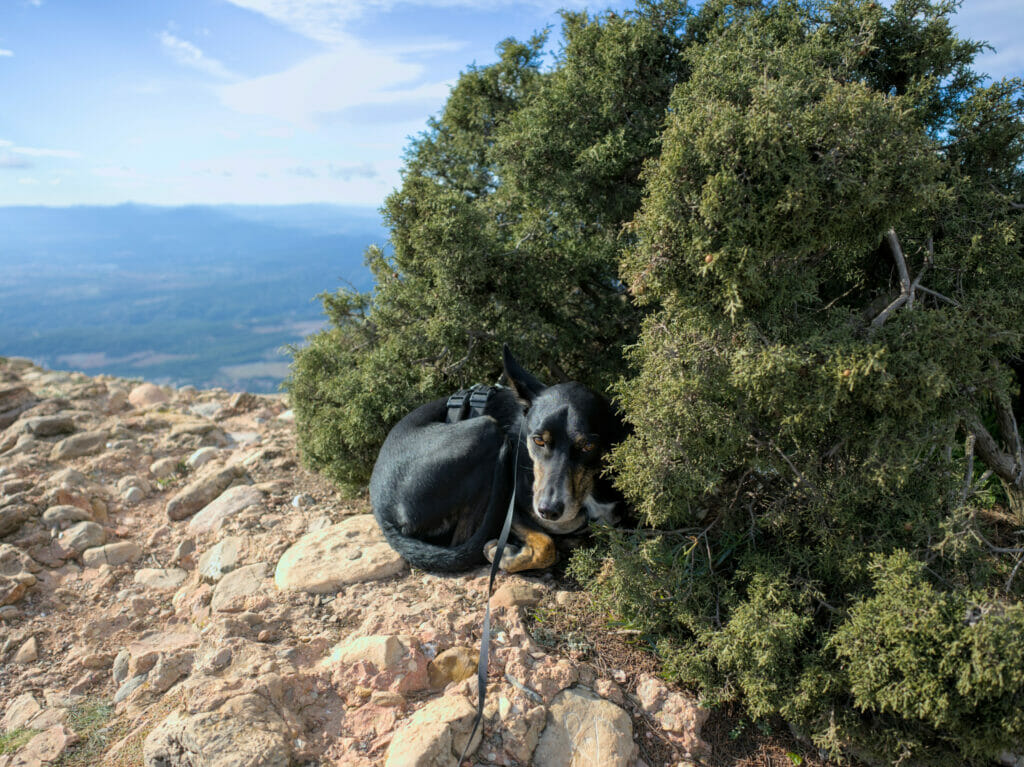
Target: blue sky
pixel 262 101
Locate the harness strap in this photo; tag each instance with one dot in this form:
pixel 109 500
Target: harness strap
pixel 468 403
pixel 485 639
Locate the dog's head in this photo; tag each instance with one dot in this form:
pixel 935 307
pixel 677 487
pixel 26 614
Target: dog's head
pixel 568 430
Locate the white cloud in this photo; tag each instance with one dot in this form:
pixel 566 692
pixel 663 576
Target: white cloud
pixel 5 53
pixel 189 55
pixel 68 154
pixel 351 75
pixel 28 151
pixel 326 20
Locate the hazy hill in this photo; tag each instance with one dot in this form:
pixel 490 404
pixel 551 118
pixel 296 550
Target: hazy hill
pixel 201 294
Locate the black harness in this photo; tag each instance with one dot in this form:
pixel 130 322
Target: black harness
pixel 468 403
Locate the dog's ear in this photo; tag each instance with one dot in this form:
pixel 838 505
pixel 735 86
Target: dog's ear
pixel 523 383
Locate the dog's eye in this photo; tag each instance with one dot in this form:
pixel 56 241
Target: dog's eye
pixel 539 441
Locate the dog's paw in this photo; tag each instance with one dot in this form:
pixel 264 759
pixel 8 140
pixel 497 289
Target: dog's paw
pixel 510 558
pixel 489 548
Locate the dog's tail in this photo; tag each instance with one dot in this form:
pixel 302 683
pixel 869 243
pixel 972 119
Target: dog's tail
pixel 463 556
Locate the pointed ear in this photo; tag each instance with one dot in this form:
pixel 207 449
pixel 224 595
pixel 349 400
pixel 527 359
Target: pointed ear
pixel 523 383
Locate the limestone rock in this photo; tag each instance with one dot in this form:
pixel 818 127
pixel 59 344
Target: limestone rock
pixel 15 563
pixel 48 425
pixel 20 712
pixel 169 668
pixel 13 517
pixel 390 662
pixel 28 652
pixel 679 715
pixel 221 558
pixel 162 468
pixel 232 590
pixel 585 730
pixel 81 536
pixel 201 457
pixel 64 515
pixel 245 731
pixel 227 504
pixel 14 400
pixel 350 552
pixel 47 746
pixel 453 665
pixel 200 492
pixel 146 395
pixel 129 686
pixel 517 595
pixel 12 589
pixel 77 445
pixel 160 578
pixel 435 735
pixel 112 554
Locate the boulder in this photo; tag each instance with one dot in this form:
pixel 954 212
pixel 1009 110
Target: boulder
pixel 146 395
pixel 48 425
pixel 222 558
pixel 28 652
pixel 232 590
pixel 20 712
pixel 227 504
pixel 160 578
pixel 77 445
pixel 584 730
pixel 679 715
pixel 65 515
pixel 245 731
pixel 113 554
pixel 162 468
pixel 350 552
pixel 81 536
pixel 13 517
pixel 435 735
pixel 201 491
pixel 14 400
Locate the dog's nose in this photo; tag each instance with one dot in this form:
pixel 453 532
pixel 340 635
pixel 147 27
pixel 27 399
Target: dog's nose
pixel 551 509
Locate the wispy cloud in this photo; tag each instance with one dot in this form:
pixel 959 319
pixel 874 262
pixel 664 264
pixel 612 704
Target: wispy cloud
pixel 10 149
pixel 5 53
pixel 190 55
pixel 331 82
pixel 327 20
pixel 347 75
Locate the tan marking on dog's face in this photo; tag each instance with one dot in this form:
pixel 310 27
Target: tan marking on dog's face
pixel 581 483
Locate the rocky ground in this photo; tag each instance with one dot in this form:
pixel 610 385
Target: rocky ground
pixel 176 590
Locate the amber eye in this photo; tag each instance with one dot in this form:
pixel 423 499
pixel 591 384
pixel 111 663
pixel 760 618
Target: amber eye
pixel 586 447
pixel 539 441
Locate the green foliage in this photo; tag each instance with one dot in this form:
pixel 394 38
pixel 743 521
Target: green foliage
pixel 788 236
pixel 11 741
pixel 506 228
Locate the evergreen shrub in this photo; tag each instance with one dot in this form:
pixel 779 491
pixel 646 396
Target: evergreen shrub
pixel 786 236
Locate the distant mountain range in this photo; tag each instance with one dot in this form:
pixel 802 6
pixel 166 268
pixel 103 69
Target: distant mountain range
pixel 207 295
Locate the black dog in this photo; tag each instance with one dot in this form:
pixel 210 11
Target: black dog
pixel 440 490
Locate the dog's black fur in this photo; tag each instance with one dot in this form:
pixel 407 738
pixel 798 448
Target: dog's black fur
pixel 440 490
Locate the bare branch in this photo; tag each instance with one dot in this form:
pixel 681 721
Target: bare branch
pixel 901 262
pixel 1001 463
pixel 1010 433
pixel 878 321
pixel 938 295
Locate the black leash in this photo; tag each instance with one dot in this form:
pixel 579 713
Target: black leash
pixel 485 640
